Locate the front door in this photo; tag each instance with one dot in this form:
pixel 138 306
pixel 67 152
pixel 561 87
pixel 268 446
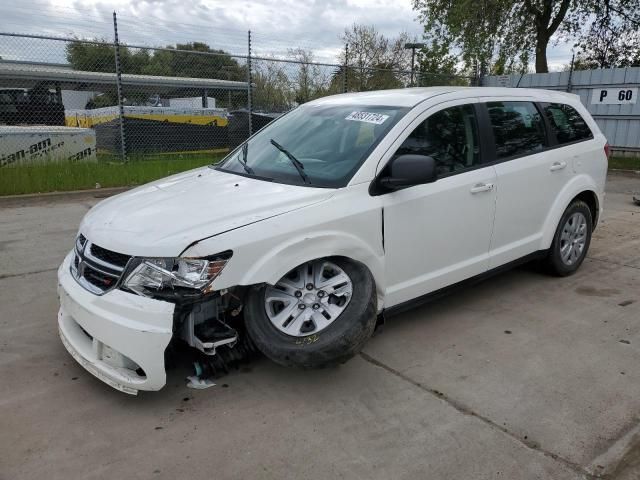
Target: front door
pixel 439 233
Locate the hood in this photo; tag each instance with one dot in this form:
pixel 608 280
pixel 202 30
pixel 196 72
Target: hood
pixel 164 217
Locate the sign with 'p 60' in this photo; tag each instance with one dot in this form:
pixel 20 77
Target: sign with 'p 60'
pixel 614 96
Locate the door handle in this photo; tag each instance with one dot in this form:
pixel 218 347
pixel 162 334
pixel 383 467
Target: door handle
pixel 555 166
pixel 481 187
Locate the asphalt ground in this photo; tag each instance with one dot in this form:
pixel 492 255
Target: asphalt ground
pixel 522 376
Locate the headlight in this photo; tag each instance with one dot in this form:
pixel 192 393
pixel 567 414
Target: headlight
pixel 171 277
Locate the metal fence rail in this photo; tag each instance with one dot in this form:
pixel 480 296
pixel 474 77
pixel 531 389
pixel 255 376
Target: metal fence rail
pixel 164 99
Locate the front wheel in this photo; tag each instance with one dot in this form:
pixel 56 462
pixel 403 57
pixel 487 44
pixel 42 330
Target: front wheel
pixel 320 313
pixel 571 240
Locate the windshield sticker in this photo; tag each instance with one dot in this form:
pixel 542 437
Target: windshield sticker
pixel 368 117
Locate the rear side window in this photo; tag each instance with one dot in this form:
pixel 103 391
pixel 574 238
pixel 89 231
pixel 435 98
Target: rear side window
pixel 566 123
pixel 517 128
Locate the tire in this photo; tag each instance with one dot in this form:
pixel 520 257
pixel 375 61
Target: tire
pixel 577 215
pixel 337 342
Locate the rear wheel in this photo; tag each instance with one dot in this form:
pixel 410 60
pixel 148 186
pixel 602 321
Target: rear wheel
pixel 320 313
pixel 571 241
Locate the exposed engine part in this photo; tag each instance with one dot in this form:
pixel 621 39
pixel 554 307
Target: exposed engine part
pixel 215 330
pixel 226 358
pixel 206 334
pixel 199 383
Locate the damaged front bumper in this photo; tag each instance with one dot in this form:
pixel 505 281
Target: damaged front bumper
pixel 119 337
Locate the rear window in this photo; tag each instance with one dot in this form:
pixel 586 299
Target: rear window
pixel 517 128
pixel 566 123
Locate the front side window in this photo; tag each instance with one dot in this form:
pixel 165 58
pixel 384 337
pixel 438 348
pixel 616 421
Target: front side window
pixel 517 128
pixel 449 136
pixel 566 123
pixel 314 145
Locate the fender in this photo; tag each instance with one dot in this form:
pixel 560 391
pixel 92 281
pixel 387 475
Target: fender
pixel 282 257
pixel 277 262
pixel 573 188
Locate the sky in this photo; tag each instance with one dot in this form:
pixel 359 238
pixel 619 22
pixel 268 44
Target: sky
pixel 276 25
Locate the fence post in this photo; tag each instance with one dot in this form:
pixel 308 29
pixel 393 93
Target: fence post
pixel 123 143
pixel 345 68
pixel 205 98
pixel 249 90
pixel 569 86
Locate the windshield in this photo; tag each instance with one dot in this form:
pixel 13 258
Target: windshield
pixel 314 145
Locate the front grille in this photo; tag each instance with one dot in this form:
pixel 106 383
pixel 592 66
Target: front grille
pixel 99 279
pixel 96 268
pixel 113 258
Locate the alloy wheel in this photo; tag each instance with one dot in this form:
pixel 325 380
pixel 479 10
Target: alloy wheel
pixel 309 298
pixel 573 238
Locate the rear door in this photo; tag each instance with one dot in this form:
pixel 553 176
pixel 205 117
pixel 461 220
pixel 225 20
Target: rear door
pixel 530 174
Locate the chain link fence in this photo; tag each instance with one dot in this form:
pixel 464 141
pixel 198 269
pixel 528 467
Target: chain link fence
pixel 78 113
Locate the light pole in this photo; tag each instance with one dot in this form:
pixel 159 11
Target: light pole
pixel 413 47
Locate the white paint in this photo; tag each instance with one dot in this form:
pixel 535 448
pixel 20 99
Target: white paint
pixel 434 234
pixel 131 325
pixel 614 96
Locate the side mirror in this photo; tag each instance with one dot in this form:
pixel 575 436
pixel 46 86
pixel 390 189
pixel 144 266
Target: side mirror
pixel 409 170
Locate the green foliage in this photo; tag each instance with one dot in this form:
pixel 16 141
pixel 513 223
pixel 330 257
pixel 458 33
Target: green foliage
pixel 437 65
pixel 101 58
pixel 272 91
pixel 98 57
pixel 218 64
pixel 68 176
pixel 470 27
pixel 309 80
pixel 613 37
pixel 375 61
pixel 499 36
pixel 624 163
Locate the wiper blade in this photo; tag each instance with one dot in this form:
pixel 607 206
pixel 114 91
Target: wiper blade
pixel 243 161
pixel 296 163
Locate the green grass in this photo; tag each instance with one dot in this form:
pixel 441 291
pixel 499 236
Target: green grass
pixel 66 176
pixel 625 163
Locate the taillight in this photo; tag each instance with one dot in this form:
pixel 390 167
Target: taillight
pixel 607 150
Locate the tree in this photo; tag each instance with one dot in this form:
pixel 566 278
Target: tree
pixel 470 27
pixel 613 39
pixel 309 82
pixel 374 60
pixel 204 62
pixel 437 65
pixel 272 91
pixel 547 15
pixel 506 32
pixel 100 57
pixel 177 61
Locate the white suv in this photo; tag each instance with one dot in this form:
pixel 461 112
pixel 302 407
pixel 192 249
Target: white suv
pixel 345 209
